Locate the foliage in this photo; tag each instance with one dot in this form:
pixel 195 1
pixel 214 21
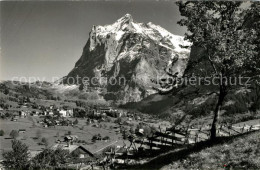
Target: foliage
pixel 79 113
pixel 18 157
pixel 118 120
pixel 96 137
pixel 14 134
pixel 217 27
pixel 255 97
pixel 45 141
pixel 229 48
pixel 50 158
pixel 76 122
pixel 2 133
pixel 6 91
pixel 69 133
pixel 106 138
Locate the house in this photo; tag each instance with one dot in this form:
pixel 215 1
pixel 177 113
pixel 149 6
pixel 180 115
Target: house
pixel 15 118
pixel 52 107
pixel 97 113
pixel 63 113
pixel 45 113
pixel 70 112
pixel 35 113
pixel 70 138
pixel 105 109
pixel 57 122
pixel 75 150
pixel 21 131
pixel 25 105
pixel 50 113
pixel 140 131
pixel 22 114
pixel 66 113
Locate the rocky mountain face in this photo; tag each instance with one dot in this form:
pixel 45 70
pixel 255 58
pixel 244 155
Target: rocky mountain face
pixel 120 61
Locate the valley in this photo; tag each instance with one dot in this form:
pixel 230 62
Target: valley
pixel 43 122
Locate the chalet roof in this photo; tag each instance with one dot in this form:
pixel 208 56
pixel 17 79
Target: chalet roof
pixel 71 148
pixel 71 137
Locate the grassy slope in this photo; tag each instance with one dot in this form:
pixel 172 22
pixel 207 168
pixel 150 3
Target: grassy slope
pixel 239 153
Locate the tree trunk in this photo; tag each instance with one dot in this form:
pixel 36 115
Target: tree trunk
pixel 213 130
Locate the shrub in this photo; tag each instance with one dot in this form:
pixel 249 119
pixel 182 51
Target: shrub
pixel 18 157
pixel 2 132
pixel 14 134
pixel 96 137
pixel 45 141
pixel 76 122
pixel 106 138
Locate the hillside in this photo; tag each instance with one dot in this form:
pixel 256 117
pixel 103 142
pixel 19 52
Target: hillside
pixel 197 103
pixel 238 153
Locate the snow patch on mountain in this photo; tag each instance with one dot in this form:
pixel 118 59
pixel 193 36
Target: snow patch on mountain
pixel 126 24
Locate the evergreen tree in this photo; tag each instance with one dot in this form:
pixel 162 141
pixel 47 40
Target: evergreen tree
pixel 18 157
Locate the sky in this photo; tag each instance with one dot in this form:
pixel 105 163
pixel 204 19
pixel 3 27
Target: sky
pixel 44 39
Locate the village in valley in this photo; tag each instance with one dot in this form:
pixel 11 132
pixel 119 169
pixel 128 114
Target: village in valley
pixel 97 135
pixel 89 132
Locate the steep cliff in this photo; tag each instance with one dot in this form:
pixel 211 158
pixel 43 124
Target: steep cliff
pixel 121 60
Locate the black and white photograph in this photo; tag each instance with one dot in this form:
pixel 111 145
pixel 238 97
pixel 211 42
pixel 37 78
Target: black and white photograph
pixel 129 84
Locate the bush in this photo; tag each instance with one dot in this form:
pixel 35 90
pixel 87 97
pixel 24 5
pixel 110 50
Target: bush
pixel 96 137
pixel 76 122
pixel 18 157
pixel 45 142
pixel 118 120
pixel 49 157
pixel 6 91
pixel 2 132
pixel 14 134
pixel 106 138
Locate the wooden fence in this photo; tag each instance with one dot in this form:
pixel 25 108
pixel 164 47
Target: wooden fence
pixel 174 138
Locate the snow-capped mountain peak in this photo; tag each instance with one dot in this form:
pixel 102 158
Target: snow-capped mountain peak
pixel 126 24
pixel 138 52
